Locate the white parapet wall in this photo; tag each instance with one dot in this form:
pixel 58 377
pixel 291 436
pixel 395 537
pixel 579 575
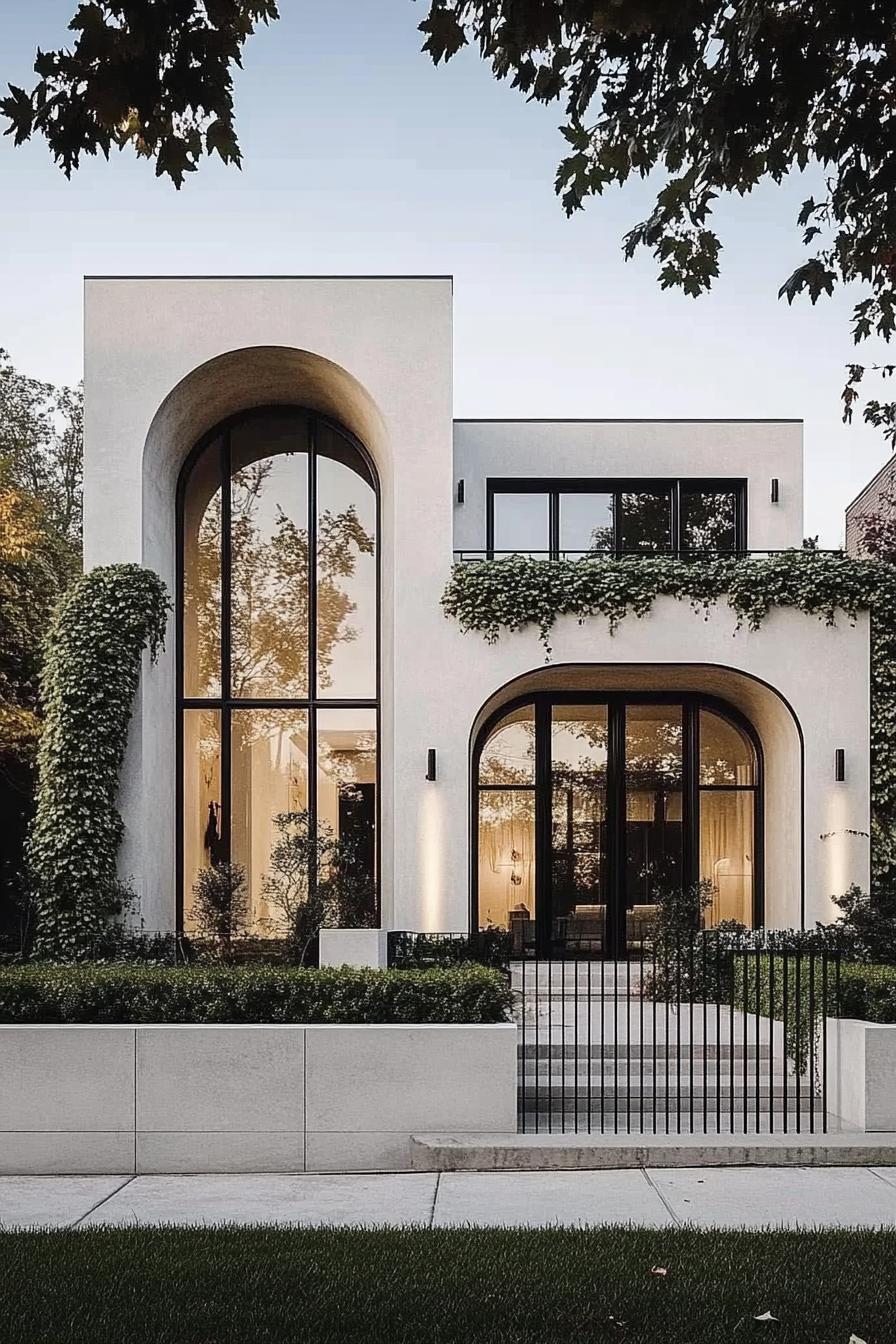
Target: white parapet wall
pixel 862 1074
pixel 354 947
pixel 124 1099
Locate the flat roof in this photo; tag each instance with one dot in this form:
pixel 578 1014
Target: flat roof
pixel 270 277
pixel 627 420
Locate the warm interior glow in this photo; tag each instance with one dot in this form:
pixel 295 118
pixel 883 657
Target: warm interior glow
pixel 275 583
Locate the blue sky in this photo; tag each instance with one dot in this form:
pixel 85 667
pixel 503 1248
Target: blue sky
pixel 361 157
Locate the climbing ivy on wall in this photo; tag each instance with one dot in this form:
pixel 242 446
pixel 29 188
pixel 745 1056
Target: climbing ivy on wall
pixel 92 667
pixel 512 593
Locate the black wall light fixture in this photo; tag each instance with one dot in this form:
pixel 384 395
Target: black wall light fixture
pixel 460 491
pixel 774 489
pixel 840 765
pixel 431 764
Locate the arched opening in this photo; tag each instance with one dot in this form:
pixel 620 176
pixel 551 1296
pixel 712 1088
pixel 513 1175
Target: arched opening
pixel 589 808
pixel 278 655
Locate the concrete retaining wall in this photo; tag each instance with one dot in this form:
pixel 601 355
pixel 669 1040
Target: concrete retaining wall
pixel 862 1073
pixel 123 1099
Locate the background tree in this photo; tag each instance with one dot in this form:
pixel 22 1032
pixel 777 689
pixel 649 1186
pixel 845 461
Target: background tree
pixel 717 98
pixel 152 74
pixel 40 554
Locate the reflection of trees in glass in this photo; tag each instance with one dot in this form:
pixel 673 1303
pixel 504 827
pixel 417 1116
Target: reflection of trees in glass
pixel 315 880
pixel 646 522
pixel 603 538
pixel 653 752
pixel 270 581
pixel 509 755
pixel 708 521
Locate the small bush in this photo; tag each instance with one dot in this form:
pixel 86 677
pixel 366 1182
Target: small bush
pixel 221 903
pixel 867 924
pixel 44 993
pixel 868 992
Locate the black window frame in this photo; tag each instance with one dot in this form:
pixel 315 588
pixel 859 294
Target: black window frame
pixel 617 702
pixel 225 703
pixel 617 486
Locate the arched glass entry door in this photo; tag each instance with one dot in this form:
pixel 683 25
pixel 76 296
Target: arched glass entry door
pixel 590 812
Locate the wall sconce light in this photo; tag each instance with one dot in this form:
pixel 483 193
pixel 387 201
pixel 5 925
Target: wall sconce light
pixel 460 491
pixel 840 765
pixel 431 764
pixel 774 489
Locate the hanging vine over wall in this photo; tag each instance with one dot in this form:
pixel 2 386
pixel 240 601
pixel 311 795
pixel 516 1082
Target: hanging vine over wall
pixel 516 592
pixel 93 657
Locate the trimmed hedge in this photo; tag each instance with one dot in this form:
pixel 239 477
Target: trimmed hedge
pixel 50 993
pixel 868 992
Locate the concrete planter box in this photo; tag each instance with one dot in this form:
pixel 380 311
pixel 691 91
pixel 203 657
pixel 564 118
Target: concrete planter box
pixel 353 947
pixel 862 1073
pixel 124 1099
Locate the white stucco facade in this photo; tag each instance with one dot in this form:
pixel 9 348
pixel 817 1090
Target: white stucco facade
pixel 167 360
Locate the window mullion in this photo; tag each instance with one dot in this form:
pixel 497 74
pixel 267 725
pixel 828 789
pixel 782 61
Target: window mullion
pixel 226 670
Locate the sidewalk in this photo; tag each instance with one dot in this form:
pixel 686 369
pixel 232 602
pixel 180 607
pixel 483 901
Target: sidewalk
pixel 730 1197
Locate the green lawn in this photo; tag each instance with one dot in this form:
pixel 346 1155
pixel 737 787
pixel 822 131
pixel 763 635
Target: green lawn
pixel 239 1286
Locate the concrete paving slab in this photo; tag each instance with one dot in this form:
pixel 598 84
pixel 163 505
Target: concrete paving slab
pixel 306 1200
pixel 539 1198
pixel 52 1201
pixel 760 1197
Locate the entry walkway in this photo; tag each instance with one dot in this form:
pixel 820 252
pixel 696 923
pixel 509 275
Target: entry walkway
pixel 751 1197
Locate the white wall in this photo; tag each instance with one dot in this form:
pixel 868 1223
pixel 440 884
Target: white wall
pixel 819 700
pixel 752 450
pixel 165 360
pixel 79 1099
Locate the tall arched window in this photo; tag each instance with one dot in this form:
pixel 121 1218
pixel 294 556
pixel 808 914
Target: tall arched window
pixel 588 809
pixel 278 660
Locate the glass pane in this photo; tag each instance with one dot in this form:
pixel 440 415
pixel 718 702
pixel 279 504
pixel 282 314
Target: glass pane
pixel 346 812
pixel 726 853
pixel 507 863
pixel 202 799
pixel 346 571
pixel 726 753
pixel 508 756
pixel 521 522
pixel 202 576
pixel 647 520
pixel 269 558
pixel 653 811
pixel 269 777
pixel 579 874
pixel 586 522
pixel 708 520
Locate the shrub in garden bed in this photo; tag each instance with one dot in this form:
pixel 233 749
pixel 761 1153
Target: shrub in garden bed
pixel 868 992
pixel 51 993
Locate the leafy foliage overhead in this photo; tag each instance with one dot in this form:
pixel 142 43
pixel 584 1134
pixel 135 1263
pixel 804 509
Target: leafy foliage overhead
pixel 154 74
pixel 89 681
pixel 717 97
pixel 495 596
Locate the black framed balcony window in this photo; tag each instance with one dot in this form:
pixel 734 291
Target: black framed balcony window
pixel 278 658
pixel 555 519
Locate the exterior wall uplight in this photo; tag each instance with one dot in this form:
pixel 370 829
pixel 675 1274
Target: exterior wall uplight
pixel 840 765
pixel 460 491
pixel 774 489
pixel 431 764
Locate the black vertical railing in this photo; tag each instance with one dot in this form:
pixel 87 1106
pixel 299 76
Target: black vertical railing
pixel 713 1033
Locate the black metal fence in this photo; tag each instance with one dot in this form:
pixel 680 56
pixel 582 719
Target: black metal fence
pixel 418 951
pixel 717 1034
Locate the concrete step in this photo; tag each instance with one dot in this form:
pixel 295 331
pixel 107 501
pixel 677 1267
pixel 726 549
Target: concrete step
pixel 589 1152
